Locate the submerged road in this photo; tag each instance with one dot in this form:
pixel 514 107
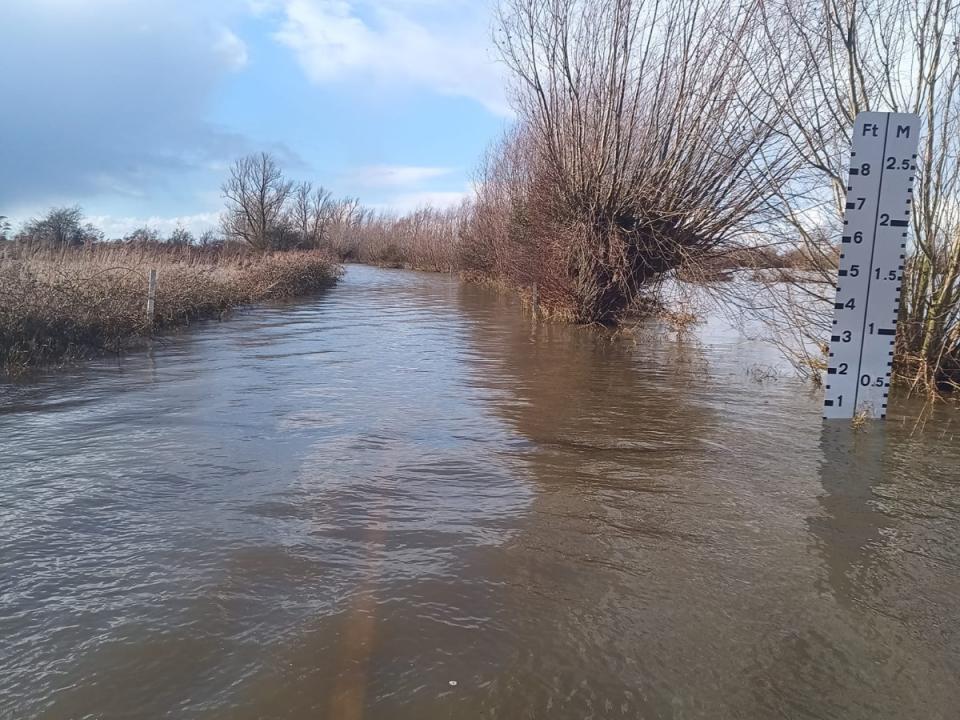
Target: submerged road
pixel 403 499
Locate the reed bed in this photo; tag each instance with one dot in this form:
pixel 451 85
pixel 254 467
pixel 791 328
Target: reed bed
pixel 60 305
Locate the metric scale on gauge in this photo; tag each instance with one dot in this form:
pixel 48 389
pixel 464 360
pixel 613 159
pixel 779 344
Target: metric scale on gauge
pixel 883 164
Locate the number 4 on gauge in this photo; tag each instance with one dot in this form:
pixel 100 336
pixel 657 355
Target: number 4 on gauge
pixel 883 165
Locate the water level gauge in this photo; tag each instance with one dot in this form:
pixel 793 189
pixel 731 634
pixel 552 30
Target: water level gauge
pixel 883 165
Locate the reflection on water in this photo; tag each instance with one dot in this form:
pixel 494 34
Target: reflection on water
pixel 406 500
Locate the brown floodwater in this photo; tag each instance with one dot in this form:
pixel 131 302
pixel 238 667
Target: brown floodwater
pixel 403 499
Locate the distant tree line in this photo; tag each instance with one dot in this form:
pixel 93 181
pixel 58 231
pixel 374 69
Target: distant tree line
pixel 264 211
pixel 66 227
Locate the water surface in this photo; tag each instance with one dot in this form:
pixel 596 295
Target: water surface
pixel 404 499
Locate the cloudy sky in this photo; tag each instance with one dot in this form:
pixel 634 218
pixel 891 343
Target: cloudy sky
pixel 134 108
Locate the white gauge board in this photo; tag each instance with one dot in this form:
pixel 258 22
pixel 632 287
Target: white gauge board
pixel 883 164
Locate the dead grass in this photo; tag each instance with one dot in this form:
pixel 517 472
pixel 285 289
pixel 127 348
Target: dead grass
pixel 859 421
pixel 61 305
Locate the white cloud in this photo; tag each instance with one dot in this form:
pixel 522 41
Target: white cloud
pixel 111 96
pixel 441 199
pixel 231 49
pixel 396 175
pixel 444 47
pixel 118 227
pixel 262 7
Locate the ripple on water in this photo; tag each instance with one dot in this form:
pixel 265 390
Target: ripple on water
pixel 335 508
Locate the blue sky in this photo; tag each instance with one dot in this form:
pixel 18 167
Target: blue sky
pixel 134 109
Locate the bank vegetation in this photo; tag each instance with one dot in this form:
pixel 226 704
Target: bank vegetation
pixel 690 139
pixel 63 304
pixel 658 140
pixel 66 292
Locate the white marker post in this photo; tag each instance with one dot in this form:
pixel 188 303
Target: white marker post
pixel 883 164
pixel 151 296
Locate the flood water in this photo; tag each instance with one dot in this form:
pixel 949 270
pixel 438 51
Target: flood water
pixel 405 499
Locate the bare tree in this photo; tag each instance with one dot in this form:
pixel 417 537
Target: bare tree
pixel 310 214
pixel 209 238
pixel 650 140
pixel 344 218
pixel 843 58
pixel 322 210
pixel 256 194
pixel 301 212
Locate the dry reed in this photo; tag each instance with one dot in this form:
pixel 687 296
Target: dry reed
pixel 58 305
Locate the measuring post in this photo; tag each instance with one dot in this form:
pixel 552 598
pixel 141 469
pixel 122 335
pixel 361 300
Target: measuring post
pixel 883 164
pixel 151 296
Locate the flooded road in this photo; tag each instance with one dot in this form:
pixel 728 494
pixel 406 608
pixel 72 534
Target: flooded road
pixel 403 499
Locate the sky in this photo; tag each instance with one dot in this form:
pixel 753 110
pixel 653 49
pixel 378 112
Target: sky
pixel 135 109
